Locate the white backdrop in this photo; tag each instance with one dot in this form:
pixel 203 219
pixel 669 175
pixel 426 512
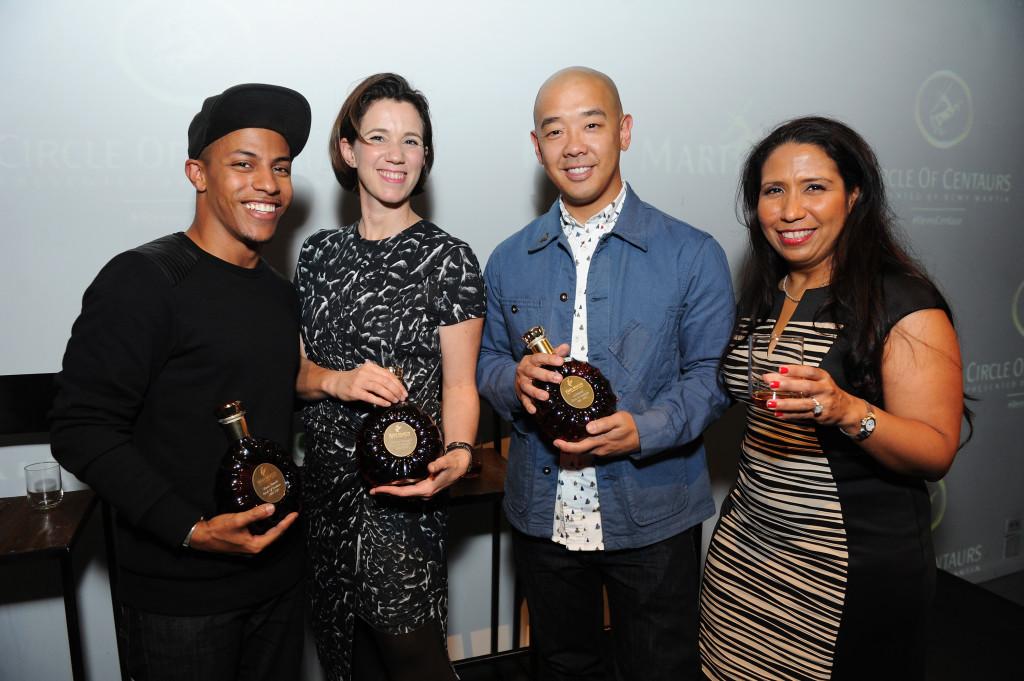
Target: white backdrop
pixel 98 96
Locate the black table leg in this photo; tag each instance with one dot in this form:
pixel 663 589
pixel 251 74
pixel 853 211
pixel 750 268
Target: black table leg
pixel 495 572
pixel 119 627
pixel 67 573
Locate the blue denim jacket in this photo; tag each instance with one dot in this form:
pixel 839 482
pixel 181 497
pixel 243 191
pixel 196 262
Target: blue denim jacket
pixel 659 313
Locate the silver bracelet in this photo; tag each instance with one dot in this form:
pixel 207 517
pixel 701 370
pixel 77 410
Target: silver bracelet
pixel 188 537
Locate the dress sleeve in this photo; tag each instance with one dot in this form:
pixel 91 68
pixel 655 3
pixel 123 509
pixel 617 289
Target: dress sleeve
pixel 460 292
pixel 905 295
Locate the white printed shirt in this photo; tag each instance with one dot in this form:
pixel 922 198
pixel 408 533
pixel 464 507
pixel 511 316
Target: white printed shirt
pixel 577 522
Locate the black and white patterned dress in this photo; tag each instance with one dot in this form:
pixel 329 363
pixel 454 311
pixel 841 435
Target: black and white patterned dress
pixel 379 558
pixel 821 566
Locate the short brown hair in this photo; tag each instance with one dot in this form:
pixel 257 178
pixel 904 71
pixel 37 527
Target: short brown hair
pixel 346 125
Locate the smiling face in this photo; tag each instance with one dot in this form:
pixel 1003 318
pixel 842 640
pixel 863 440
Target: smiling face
pixel 578 137
pixel 244 184
pixel 389 154
pixel 803 206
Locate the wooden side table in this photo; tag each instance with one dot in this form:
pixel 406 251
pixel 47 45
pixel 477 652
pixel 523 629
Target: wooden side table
pixel 487 486
pixel 30 534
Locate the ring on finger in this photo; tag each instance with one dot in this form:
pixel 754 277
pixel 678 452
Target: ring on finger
pixel 817 407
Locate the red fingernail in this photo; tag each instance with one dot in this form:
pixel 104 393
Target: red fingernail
pixel 771 404
pixel 778 413
pixel 773 384
pixel 783 370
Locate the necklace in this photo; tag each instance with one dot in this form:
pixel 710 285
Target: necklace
pixel 785 280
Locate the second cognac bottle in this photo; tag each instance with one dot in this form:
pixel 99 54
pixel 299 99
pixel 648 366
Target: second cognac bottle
pixel 397 443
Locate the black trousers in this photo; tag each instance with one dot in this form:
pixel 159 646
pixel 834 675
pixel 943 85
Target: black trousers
pixel 260 643
pixel 652 601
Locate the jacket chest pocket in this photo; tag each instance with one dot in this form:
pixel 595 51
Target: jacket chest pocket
pixel 649 351
pixel 521 315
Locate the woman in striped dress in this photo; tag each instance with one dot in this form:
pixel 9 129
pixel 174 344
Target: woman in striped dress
pixel 821 566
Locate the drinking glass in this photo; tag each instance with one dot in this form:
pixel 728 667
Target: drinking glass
pixel 766 353
pixel 42 484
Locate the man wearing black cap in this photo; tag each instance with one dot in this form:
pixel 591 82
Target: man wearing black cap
pixel 169 331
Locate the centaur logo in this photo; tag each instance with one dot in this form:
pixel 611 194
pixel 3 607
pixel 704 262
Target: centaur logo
pixel 161 45
pixel 943 109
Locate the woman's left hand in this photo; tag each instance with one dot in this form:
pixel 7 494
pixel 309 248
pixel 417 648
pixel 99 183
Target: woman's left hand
pixel 444 471
pixel 817 388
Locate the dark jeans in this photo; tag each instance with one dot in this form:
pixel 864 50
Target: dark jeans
pixel 263 642
pixel 652 600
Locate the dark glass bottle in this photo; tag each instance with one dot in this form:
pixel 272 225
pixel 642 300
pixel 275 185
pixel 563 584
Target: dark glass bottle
pixel 397 443
pixel 583 395
pixel 254 471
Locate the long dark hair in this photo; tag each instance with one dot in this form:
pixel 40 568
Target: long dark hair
pixel 346 124
pixel 866 250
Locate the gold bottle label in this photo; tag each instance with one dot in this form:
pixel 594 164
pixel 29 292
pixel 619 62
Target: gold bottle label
pixel 576 392
pixel 268 483
pixel 400 439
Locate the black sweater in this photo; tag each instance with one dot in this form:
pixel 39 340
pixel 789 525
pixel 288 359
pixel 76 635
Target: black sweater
pixel 166 334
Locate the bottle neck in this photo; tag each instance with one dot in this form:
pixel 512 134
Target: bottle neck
pixel 236 429
pixel 541 346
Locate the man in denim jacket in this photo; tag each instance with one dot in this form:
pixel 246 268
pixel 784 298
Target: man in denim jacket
pixel 648 300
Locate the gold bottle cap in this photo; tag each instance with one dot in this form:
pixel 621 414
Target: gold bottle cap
pixel 537 341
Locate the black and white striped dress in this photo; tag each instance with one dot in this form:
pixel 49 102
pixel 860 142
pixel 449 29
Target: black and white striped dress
pixel 821 565
pixel 380 558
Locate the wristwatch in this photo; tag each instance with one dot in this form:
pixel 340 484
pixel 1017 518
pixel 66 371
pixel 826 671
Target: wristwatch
pixel 867 426
pixel 452 446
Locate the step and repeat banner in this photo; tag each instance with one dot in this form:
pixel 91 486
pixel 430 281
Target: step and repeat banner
pixel 98 97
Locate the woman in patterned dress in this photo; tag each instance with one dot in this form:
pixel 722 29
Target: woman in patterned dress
pixel 821 565
pixel 391 289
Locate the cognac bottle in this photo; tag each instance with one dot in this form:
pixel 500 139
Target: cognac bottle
pixel 254 471
pixel 397 443
pixel 583 395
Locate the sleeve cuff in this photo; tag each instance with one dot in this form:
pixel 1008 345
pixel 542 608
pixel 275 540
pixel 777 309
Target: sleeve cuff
pixel 648 425
pixel 171 520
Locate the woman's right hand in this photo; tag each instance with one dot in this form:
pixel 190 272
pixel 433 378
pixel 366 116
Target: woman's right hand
pixel 368 382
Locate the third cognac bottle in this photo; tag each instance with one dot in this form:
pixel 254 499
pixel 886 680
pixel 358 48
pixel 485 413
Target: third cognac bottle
pixel 583 395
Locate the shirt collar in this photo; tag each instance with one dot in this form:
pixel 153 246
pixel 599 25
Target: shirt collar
pixel 631 225
pixel 608 215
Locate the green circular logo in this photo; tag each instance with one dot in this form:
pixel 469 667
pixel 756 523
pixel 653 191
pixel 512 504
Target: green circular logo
pixel 1017 309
